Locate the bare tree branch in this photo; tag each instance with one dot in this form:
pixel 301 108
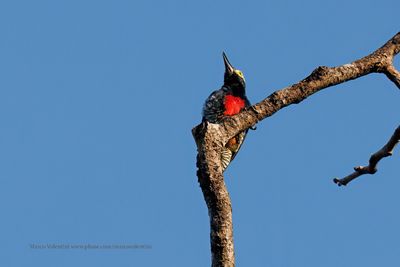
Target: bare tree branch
pixel 210 138
pixel 393 75
pixel 216 195
pixel 380 61
pixel 385 151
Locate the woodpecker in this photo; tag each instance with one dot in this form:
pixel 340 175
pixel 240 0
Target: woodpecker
pixel 225 102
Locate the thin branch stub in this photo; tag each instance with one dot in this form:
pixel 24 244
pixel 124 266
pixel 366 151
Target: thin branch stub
pixel 385 151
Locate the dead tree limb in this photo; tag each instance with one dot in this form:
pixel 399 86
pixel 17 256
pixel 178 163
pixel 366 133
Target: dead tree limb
pixel 385 151
pixel 210 138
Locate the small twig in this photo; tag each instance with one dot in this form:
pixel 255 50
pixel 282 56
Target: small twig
pixel 385 151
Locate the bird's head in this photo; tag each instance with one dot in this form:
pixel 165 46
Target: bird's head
pixel 233 78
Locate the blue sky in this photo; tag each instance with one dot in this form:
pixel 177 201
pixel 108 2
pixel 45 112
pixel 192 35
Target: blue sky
pixel 97 102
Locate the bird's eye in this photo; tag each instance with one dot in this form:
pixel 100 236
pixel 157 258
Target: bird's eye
pixel 239 73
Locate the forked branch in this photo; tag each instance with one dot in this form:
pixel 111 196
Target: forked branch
pixel 210 138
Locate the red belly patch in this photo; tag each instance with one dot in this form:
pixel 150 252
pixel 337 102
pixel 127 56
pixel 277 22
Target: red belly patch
pixel 233 105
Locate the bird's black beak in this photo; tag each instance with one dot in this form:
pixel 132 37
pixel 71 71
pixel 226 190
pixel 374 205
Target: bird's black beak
pixel 228 67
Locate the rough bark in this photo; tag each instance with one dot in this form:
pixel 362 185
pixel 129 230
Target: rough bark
pixel 210 138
